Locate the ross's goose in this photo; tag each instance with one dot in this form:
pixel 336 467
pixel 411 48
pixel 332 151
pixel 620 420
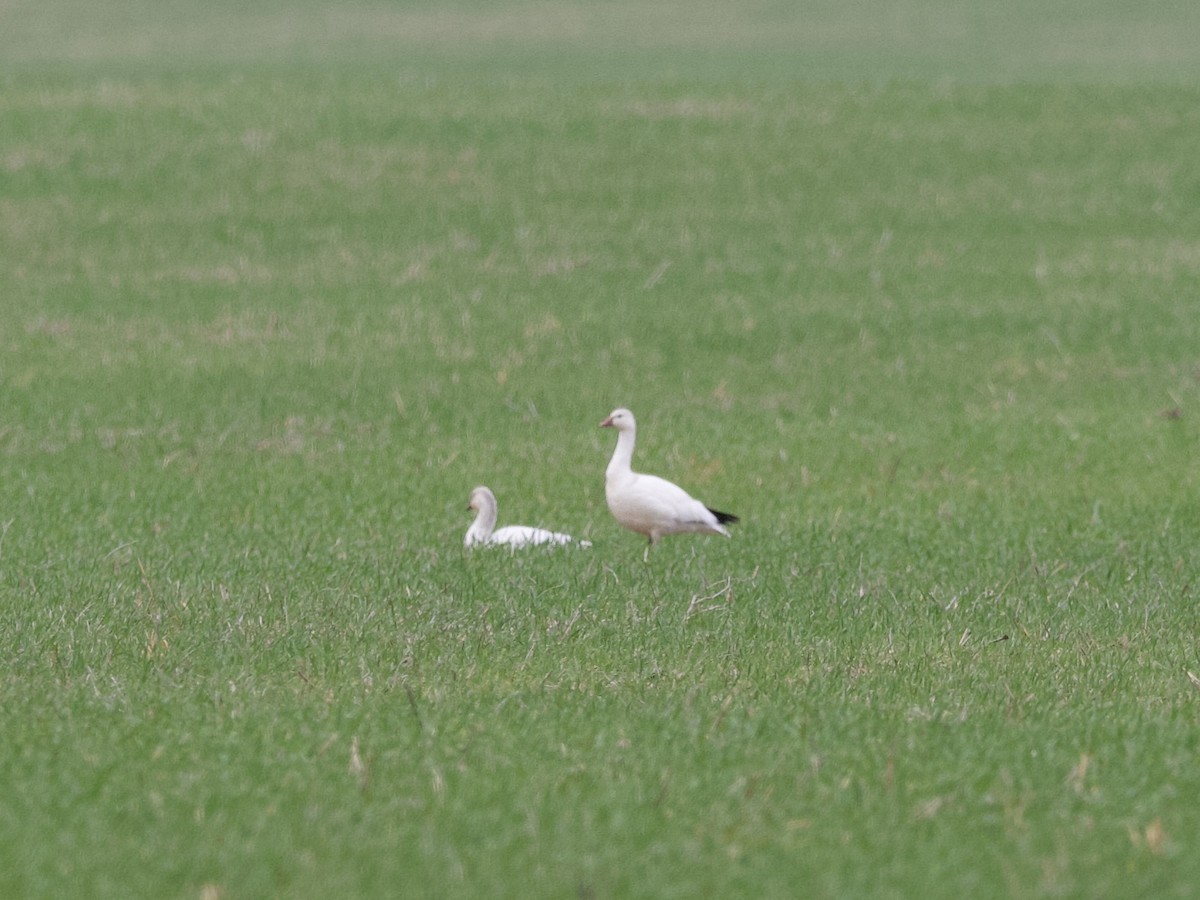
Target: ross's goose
pixel 483 501
pixel 648 504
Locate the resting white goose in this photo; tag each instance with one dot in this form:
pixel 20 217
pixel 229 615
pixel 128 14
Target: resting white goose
pixel 648 504
pixel 483 501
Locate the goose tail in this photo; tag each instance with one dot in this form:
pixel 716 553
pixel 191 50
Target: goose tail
pixel 723 517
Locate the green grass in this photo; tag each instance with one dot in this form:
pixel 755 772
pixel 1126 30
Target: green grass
pixel 271 308
pixel 1023 40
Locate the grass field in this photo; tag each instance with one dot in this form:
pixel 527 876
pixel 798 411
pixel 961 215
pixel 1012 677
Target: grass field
pixel 913 292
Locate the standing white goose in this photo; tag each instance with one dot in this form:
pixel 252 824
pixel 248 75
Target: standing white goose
pixel 483 501
pixel 648 504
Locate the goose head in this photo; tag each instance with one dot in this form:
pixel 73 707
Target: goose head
pixel 620 419
pixel 482 498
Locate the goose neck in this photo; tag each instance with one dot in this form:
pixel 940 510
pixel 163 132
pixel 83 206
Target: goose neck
pixel 622 458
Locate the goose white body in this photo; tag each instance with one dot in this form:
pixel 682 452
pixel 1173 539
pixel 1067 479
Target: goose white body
pixel 647 504
pixel 483 530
